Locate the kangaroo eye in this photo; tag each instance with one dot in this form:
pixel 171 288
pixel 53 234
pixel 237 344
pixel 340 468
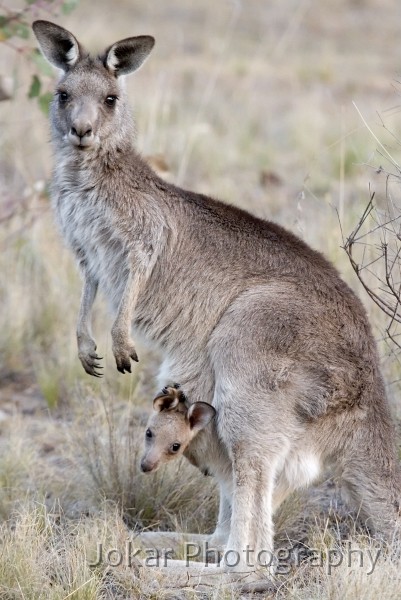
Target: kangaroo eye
pixel 111 100
pixel 175 447
pixel 63 97
pixel 148 433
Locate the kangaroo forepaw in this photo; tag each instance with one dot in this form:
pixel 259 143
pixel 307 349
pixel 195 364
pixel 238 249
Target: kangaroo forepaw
pixel 88 357
pixel 91 364
pixel 123 356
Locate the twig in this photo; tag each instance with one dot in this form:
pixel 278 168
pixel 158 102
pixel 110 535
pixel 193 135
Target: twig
pixel 390 309
pixel 392 160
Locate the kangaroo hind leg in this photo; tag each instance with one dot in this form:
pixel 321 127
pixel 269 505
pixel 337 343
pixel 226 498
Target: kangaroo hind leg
pixel 371 476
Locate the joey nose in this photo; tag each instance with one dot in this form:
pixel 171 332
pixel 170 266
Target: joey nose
pixel 145 467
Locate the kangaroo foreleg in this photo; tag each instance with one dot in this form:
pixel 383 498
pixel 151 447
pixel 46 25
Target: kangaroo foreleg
pixel 123 346
pixel 86 344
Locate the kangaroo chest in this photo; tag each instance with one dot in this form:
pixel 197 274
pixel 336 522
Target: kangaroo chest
pixel 89 230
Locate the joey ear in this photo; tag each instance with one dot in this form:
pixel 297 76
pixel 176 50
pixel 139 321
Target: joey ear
pixel 128 55
pixel 58 45
pixel 170 398
pixel 199 415
pixel 165 402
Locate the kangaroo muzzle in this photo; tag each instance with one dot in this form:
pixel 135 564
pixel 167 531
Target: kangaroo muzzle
pixel 81 133
pixel 147 466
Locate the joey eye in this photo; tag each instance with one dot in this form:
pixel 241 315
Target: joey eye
pixel 111 100
pixel 148 433
pixel 63 97
pixel 175 447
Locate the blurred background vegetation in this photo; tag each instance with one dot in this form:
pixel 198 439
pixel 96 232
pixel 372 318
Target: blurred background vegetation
pixel 288 108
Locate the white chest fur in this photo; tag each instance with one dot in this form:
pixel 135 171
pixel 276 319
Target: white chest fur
pixel 89 229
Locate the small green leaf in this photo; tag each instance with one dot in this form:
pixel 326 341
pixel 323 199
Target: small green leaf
pixel 68 6
pixel 10 27
pixel 5 32
pixel 44 101
pixel 21 30
pixel 41 63
pixel 35 88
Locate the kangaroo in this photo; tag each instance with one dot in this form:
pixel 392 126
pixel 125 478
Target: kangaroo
pixel 257 324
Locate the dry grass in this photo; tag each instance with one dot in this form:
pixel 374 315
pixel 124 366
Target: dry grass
pixel 108 457
pixel 251 103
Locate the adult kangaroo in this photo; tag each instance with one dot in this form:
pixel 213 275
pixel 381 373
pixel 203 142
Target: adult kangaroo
pixel 247 317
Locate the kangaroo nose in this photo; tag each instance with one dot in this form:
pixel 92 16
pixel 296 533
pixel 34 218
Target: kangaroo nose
pixel 81 130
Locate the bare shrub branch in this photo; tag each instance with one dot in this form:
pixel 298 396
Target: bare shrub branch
pixel 374 251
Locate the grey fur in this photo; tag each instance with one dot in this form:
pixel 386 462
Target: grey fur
pixel 247 317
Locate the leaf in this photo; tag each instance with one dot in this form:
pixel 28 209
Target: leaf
pixel 68 6
pixel 41 63
pixel 35 88
pixel 5 31
pixel 21 30
pixel 10 27
pixel 44 101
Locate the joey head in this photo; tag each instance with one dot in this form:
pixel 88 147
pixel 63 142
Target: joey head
pixel 172 427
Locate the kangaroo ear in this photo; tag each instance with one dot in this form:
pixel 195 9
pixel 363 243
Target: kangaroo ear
pixel 128 55
pixel 58 45
pixel 199 415
pixel 168 399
